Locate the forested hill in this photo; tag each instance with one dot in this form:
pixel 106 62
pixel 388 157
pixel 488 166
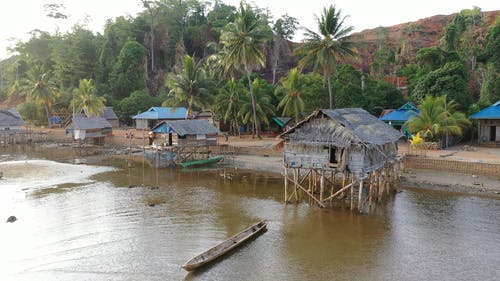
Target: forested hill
pixel 240 63
pixel 406 39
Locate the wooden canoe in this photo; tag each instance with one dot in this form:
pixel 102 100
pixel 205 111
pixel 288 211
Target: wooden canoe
pixel 202 161
pixel 224 247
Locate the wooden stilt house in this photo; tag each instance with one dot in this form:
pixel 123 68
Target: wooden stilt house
pixel 348 142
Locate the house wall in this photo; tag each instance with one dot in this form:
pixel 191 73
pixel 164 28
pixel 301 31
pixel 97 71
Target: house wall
pixel 197 140
pixel 142 124
pixel 306 156
pixel 7 127
pixel 484 130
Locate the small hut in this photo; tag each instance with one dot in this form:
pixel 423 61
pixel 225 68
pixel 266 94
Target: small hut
pixel 110 115
pixel 397 118
pixel 93 129
pixel 350 142
pixel 10 120
pixel 489 124
pixel 186 133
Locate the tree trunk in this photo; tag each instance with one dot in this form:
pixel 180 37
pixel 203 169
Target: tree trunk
pixel 330 93
pixel 48 115
pixel 254 106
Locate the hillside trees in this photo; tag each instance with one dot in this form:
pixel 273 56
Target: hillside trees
pixel 128 72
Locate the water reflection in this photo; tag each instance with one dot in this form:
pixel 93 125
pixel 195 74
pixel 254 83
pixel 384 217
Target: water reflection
pixel 105 230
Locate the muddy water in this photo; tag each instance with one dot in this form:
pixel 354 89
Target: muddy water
pixel 101 228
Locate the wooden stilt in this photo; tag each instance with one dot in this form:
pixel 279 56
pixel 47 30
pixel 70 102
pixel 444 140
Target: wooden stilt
pixel 286 185
pixel 322 186
pixel 352 194
pixel 360 194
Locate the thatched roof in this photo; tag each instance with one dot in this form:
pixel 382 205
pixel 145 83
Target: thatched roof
pixel 109 113
pixel 186 127
pixel 345 127
pixel 85 123
pixel 10 117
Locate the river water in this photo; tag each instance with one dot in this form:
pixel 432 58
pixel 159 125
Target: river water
pixel 80 226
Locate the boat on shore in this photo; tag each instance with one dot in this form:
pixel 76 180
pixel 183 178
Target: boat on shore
pixel 224 247
pixel 206 161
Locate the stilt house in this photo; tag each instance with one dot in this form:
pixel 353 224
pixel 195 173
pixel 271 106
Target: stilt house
pixel 186 133
pixel 343 140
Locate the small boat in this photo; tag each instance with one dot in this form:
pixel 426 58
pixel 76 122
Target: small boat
pixel 202 161
pixel 224 247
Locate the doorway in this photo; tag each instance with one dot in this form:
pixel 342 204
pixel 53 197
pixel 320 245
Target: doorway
pixel 493 133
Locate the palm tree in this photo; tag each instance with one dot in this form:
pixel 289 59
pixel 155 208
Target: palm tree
pixel 264 106
pixel 242 42
pixel 323 51
pixel 437 118
pixel 85 99
pixel 291 87
pixel 228 103
pixel 41 88
pixel 189 86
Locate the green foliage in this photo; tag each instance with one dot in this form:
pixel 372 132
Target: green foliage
pixel 450 80
pixel 139 101
pixel 263 104
pixel 242 41
pixel 229 101
pixel 128 72
pixel 291 89
pixel 286 26
pixel 438 117
pixel 323 51
pixel 190 86
pixel 85 99
pixel 315 95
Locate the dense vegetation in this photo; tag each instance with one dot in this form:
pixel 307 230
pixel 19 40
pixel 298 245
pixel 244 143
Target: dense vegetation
pixel 239 62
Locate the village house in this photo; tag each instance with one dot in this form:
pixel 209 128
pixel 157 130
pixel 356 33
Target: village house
pixel 488 124
pixel 89 129
pixel 110 116
pixel 348 141
pixel 397 118
pixel 153 116
pixel 11 120
pixel 185 133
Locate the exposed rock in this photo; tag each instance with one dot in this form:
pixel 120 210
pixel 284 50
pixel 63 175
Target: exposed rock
pixel 11 219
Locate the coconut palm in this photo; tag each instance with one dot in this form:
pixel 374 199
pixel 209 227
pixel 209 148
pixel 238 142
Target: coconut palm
pixel 39 87
pixel 291 88
pixel 242 41
pixel 189 86
pixel 228 103
pixel 438 117
pixel 263 101
pixel 85 99
pixel 323 51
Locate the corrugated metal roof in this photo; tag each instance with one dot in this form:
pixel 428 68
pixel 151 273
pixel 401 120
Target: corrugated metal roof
pixel 352 125
pixel 402 114
pixel 10 117
pixel 86 123
pixel 186 127
pixel 282 121
pixel 491 112
pixel 162 113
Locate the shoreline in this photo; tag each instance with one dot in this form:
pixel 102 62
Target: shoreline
pixel 261 156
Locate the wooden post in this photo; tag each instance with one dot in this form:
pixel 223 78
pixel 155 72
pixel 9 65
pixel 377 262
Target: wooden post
pixel 322 186
pixel 360 195
pixel 352 194
pixel 370 191
pixel 286 185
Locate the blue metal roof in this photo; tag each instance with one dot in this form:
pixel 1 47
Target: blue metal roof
pixel 162 113
pixel 402 114
pixel 491 112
